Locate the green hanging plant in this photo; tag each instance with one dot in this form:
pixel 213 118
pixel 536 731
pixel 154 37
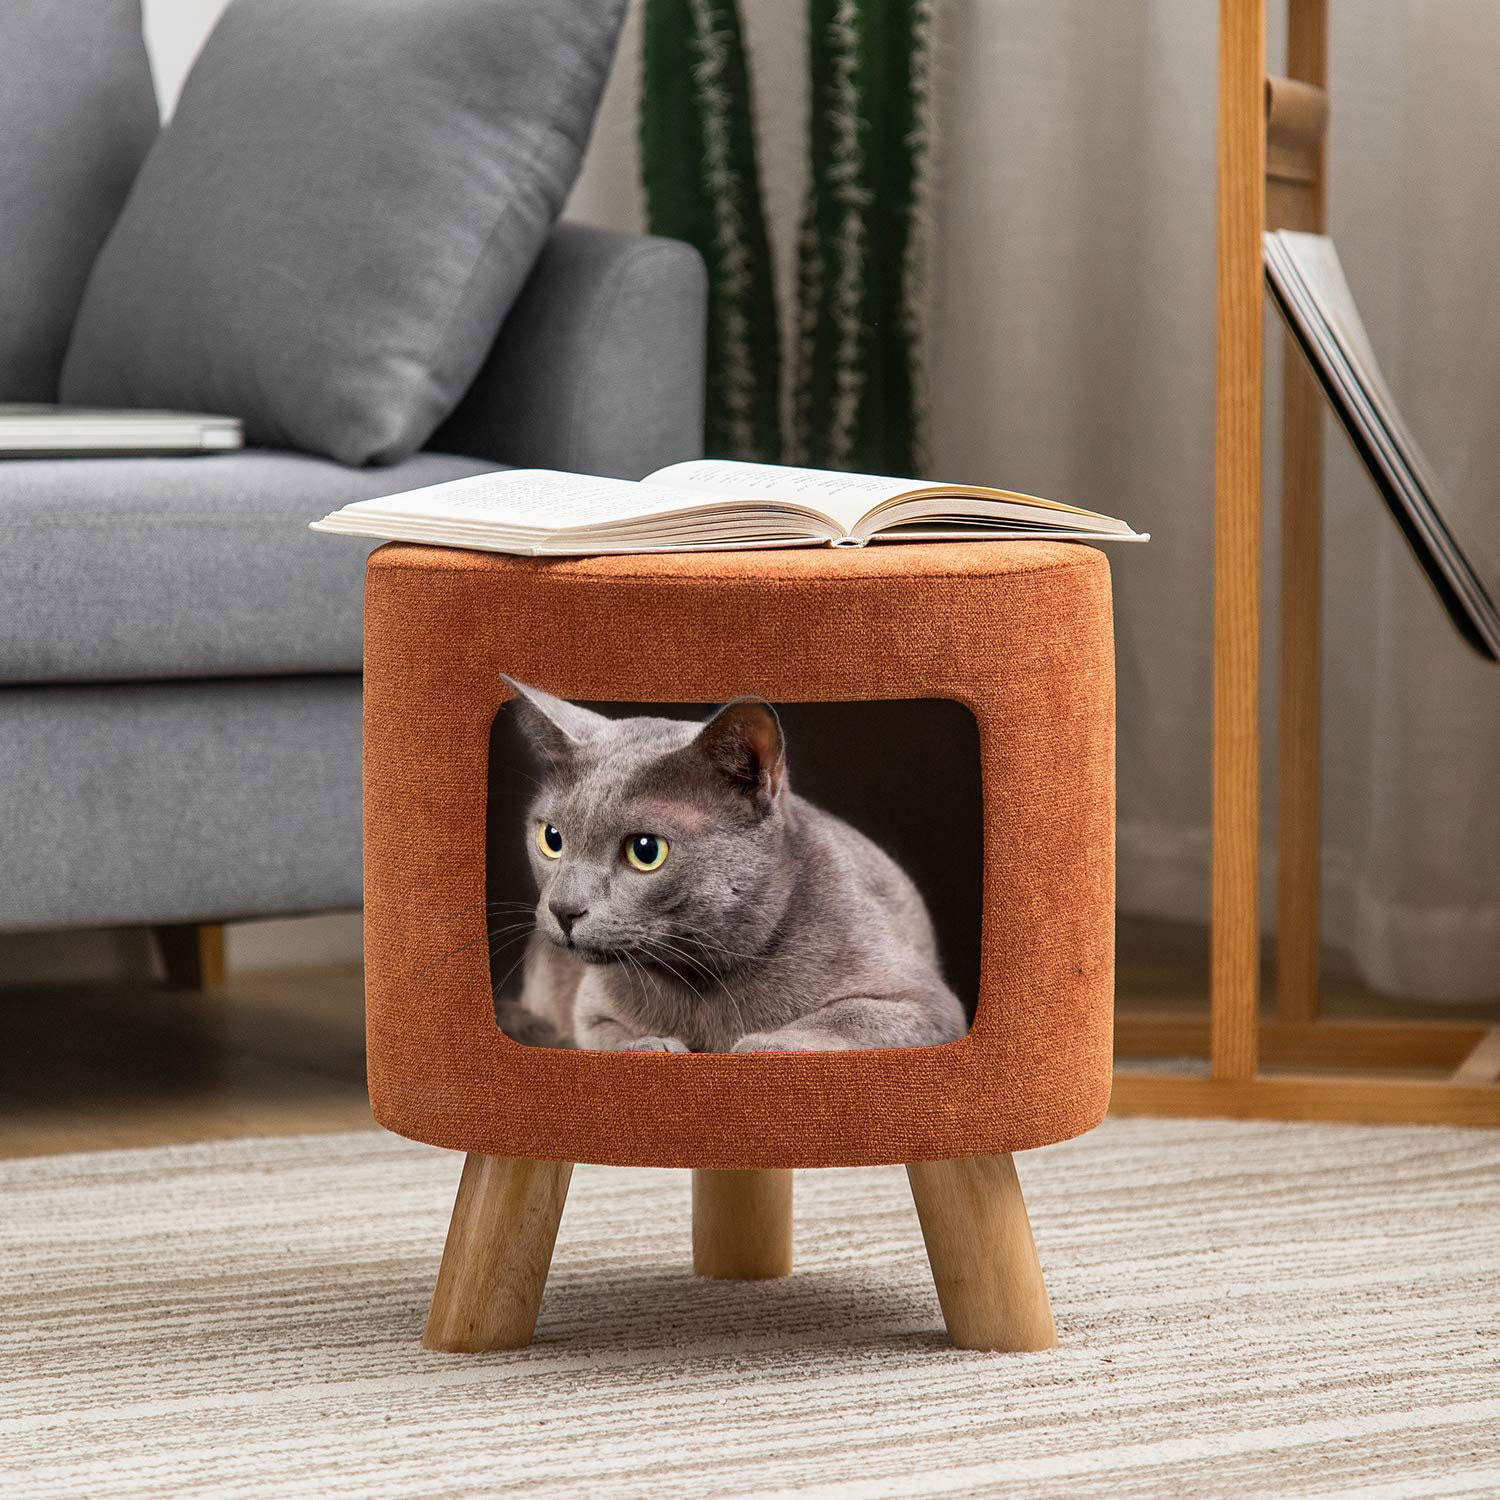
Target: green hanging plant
pixel 702 185
pixel 856 402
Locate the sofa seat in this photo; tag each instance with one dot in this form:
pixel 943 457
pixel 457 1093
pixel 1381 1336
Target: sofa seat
pixel 148 568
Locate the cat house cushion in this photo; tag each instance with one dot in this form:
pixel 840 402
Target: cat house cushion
pixel 77 116
pixel 345 205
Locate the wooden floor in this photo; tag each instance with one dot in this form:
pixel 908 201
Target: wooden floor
pixel 1162 968
pixel 85 1068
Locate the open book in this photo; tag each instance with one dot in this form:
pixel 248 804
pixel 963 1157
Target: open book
pixel 707 504
pixel 1308 285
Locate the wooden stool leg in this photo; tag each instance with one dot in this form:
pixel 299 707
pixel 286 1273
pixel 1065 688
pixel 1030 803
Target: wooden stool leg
pixel 984 1261
pixel 742 1224
pixel 499 1248
pixel 192 955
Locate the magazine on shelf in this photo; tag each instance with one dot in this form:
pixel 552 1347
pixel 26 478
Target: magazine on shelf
pixel 1309 288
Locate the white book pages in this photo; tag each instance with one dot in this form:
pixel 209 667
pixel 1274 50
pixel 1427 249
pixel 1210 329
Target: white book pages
pixel 850 499
pixel 544 501
pixel 844 498
pixel 704 503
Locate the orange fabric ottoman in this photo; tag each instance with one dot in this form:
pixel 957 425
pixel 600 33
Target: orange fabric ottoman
pixel 1020 633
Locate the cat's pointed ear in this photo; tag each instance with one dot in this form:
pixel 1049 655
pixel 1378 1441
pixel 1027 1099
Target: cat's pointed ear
pixel 743 741
pixel 554 727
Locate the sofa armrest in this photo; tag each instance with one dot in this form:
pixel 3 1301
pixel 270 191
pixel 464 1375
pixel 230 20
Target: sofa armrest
pixel 599 367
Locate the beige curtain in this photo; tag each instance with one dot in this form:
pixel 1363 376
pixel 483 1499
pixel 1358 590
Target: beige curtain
pixel 1072 354
pixel 1079 232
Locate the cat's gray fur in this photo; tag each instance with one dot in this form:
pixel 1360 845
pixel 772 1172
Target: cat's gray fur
pixel 773 926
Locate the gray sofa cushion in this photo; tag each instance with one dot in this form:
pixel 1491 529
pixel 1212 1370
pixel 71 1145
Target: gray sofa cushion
pixel 325 239
pixel 182 567
pixel 600 365
pixel 174 801
pixel 77 116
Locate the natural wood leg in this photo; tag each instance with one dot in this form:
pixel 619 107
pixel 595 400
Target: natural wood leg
pixel 1482 1065
pixel 984 1261
pixel 499 1248
pixel 192 955
pixel 742 1224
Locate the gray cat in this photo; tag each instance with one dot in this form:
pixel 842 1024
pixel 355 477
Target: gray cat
pixel 690 901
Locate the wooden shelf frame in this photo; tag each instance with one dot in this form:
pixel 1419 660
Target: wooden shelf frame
pixel 1271 171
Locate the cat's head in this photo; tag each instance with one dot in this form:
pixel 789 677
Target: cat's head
pixel 655 840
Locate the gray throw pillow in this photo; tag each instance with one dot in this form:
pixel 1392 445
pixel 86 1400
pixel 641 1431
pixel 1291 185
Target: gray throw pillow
pixel 327 235
pixel 77 116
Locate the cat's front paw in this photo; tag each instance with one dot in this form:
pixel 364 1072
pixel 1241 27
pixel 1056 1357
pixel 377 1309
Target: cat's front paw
pixel 655 1044
pixel 767 1041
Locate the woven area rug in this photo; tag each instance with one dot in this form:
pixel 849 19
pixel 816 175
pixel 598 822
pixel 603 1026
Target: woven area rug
pixel 1243 1309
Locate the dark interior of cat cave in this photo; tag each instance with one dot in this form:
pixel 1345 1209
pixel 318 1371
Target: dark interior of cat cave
pixel 743 971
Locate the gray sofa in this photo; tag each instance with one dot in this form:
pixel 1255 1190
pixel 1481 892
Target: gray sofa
pixel 180 656
pixel 179 715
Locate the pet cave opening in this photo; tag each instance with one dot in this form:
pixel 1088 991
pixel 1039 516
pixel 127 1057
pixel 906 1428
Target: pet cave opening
pixel 721 923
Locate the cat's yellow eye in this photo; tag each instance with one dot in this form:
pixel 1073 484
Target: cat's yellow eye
pixel 549 840
pixel 646 851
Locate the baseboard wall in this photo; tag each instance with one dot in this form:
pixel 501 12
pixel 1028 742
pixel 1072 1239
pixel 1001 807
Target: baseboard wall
pixel 126 954
pixel 295 942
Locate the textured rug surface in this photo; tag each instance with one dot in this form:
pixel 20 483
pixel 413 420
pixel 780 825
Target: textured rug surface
pixel 1243 1309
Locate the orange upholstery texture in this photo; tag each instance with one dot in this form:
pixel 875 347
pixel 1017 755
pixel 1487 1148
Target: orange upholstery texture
pixel 1019 632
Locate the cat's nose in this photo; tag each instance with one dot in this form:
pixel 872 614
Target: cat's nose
pixel 566 914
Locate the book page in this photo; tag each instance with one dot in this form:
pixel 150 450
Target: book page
pixel 843 498
pixel 538 500
pixel 850 501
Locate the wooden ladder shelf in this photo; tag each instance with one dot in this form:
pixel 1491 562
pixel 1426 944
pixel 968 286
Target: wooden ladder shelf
pixel 1271 171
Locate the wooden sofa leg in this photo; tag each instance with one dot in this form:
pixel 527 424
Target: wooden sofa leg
pixel 984 1261
pixel 742 1224
pixel 499 1249
pixel 192 955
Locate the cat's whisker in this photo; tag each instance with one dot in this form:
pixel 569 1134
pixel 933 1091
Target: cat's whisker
pixel 443 958
pixel 469 906
pixel 640 969
pixel 683 945
pixel 739 1015
pixel 518 929
pixel 678 975
pixel 496 989
pixel 729 994
pixel 645 975
pixel 512 927
pixel 524 776
pixel 716 955
pixel 494 908
pixel 656 946
pixel 693 961
pixel 691 933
